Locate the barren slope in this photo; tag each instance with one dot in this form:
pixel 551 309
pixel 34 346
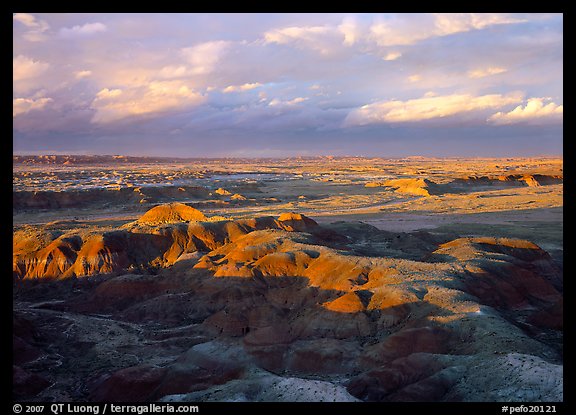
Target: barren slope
pixel 282 309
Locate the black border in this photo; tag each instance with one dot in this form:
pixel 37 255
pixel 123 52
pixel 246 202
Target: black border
pixel 355 7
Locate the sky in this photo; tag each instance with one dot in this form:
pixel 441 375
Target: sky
pixel 276 85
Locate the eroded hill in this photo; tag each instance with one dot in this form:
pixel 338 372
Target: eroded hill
pixel 179 306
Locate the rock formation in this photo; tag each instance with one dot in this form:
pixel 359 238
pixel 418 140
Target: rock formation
pixel 180 307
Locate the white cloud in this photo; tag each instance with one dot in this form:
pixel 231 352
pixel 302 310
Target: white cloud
pixel 295 33
pixel 426 108
pixel 173 71
pixel 534 112
pixel 277 102
pixel 394 30
pixel 24 105
pixel 205 56
pixel 350 31
pixel 392 56
pixel 414 78
pixel 124 75
pixel 410 29
pixel 83 30
pixel 158 96
pixel 397 33
pixel 26 19
pixel 448 23
pixel 37 27
pixel 24 67
pixel 241 88
pixel 108 93
pixel 323 39
pixel 484 72
pixel 82 74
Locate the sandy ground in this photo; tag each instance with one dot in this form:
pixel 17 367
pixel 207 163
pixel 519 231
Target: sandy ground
pixel 407 221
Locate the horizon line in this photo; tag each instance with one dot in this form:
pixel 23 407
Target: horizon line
pixel 329 156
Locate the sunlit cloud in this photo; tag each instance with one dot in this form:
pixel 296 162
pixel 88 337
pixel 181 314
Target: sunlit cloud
pixel 277 102
pixel 484 72
pixel 26 19
pixel 108 93
pixel 173 71
pixel 427 108
pixel 203 57
pixel 37 28
pixel 116 104
pixel 410 29
pixel 350 30
pixel 397 33
pixel 392 56
pixel 414 78
pixel 24 105
pixel 291 34
pixel 534 112
pixel 86 29
pixel 323 39
pixel 449 23
pixel 241 88
pixel 82 74
pixel 24 67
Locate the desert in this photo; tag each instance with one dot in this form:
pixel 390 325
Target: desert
pixel 330 279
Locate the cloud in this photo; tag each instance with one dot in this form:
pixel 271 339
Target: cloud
pixel 173 71
pixel 391 30
pixel 426 108
pixel 24 105
pixel 205 56
pixel 26 19
pixel 534 112
pixel 82 74
pixel 484 72
pixel 392 56
pixel 414 78
pixel 410 29
pixel 86 29
pixel 448 23
pixel 241 88
pixel 37 27
pixel 295 33
pixel 157 97
pixel 350 30
pixel 228 53
pixel 279 103
pixel 398 32
pixel 323 39
pixel 24 68
pixel 108 93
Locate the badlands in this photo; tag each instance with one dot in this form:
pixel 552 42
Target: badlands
pixel 302 279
